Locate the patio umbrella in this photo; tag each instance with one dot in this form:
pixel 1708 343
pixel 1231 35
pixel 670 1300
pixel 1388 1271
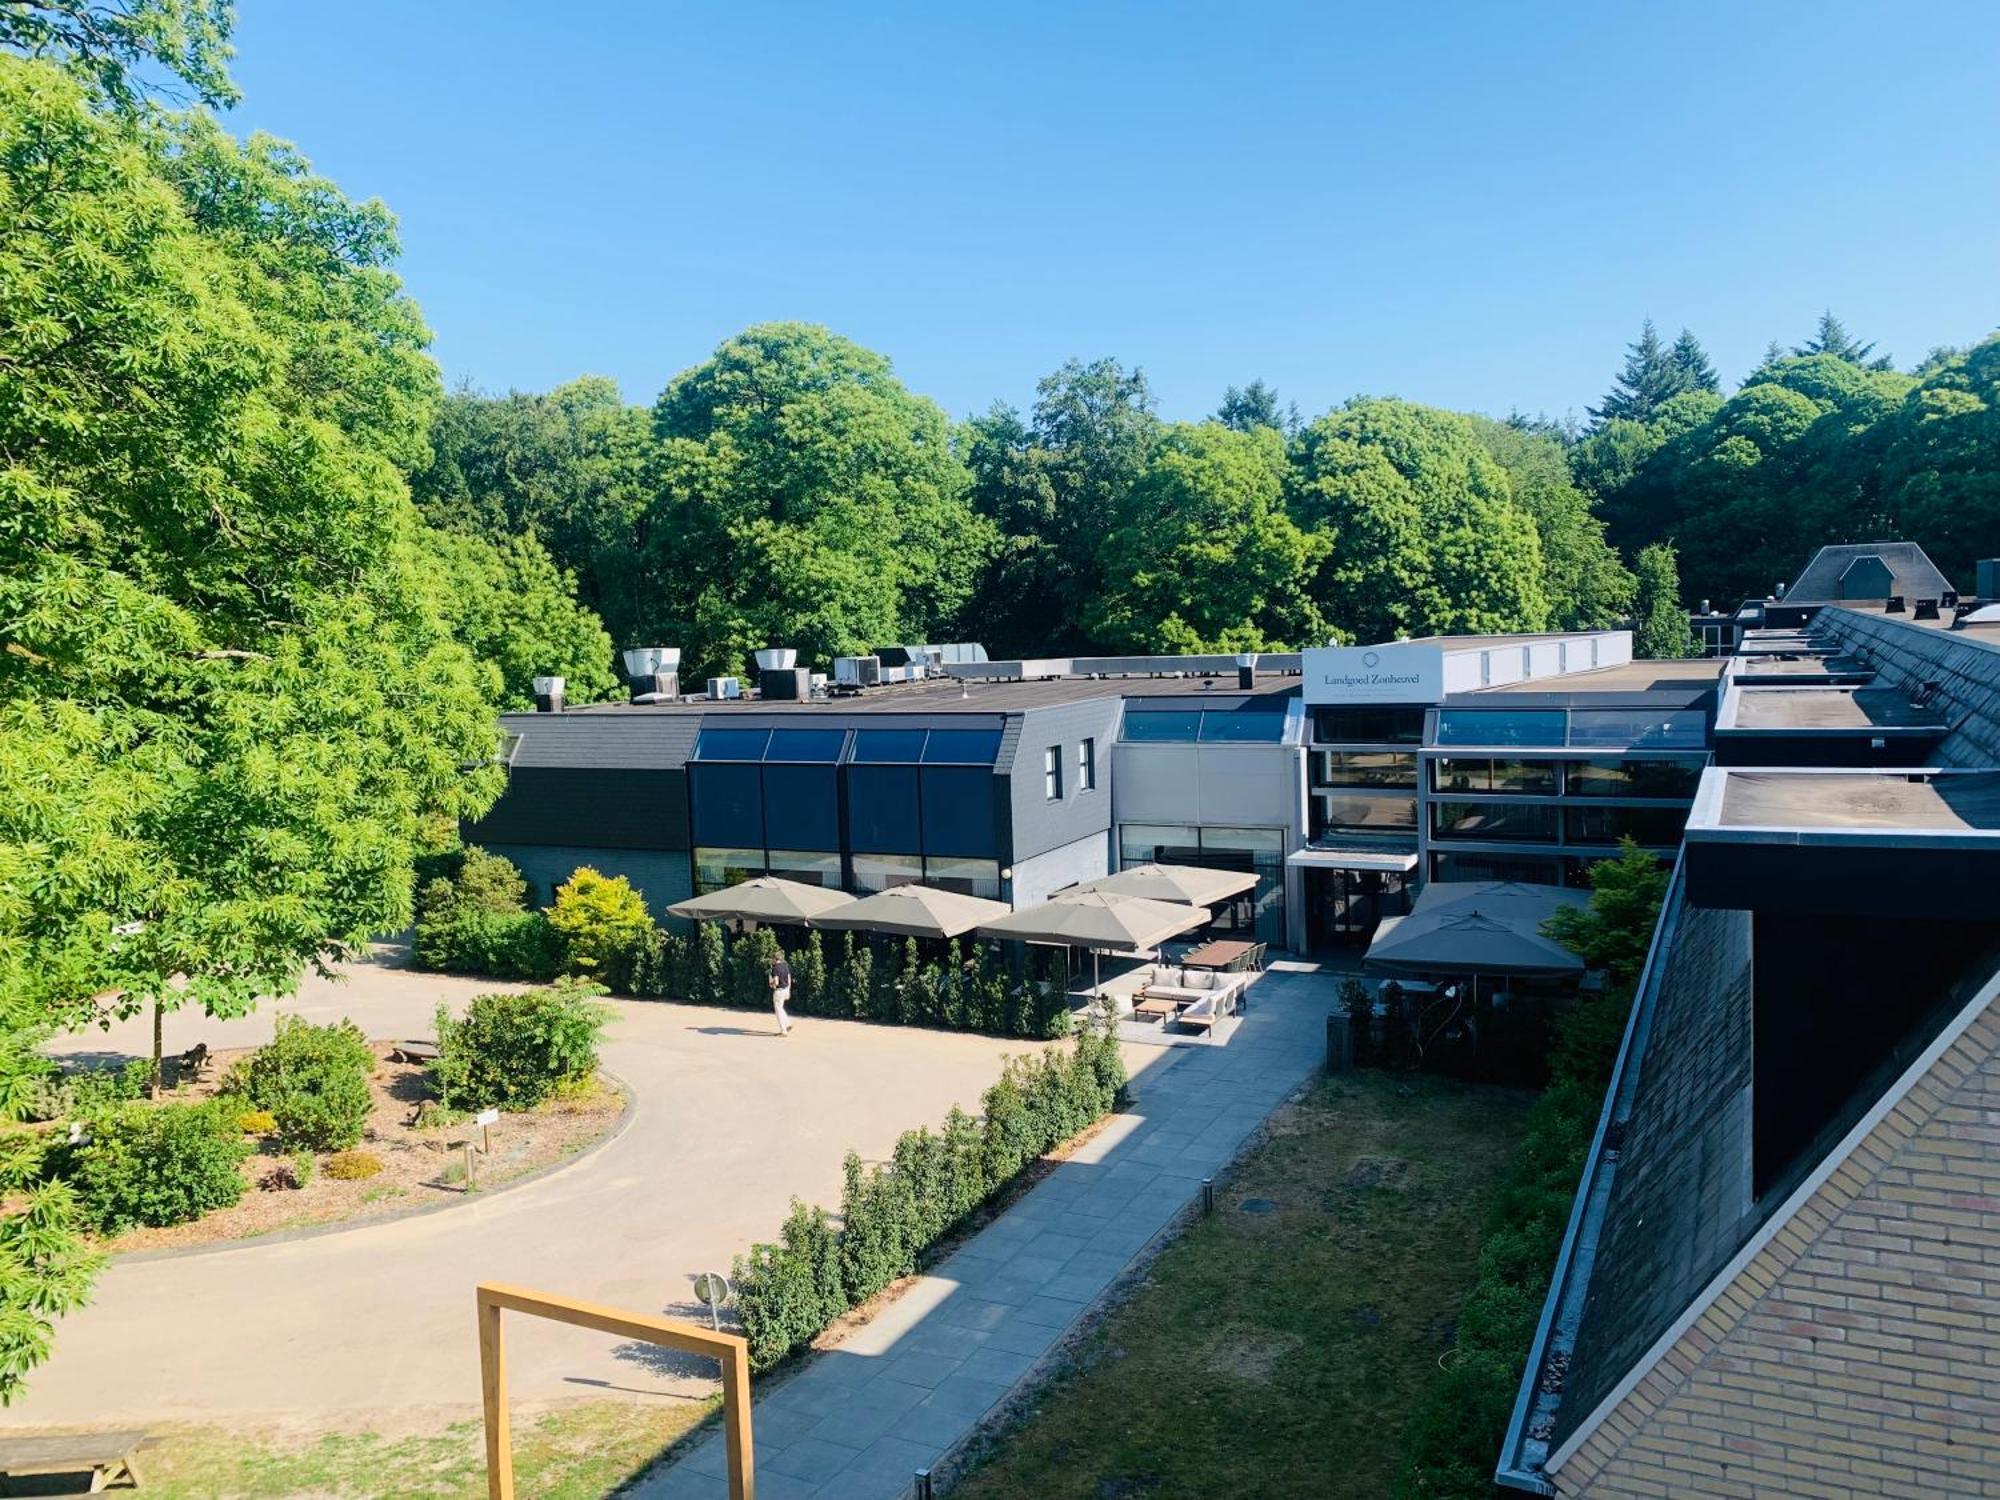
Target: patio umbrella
pixel 764 899
pixel 1497 898
pixel 914 911
pixel 1191 885
pixel 1098 920
pixel 1466 941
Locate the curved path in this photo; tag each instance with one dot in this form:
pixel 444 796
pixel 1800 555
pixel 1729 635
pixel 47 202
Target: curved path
pixel 375 1324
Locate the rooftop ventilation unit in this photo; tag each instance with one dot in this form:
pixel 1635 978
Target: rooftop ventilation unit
pixel 777 659
pixel 1927 609
pixel 724 688
pixel 548 695
pixel 786 684
pixel 1949 599
pixel 853 673
pixel 653 672
pixel 1894 606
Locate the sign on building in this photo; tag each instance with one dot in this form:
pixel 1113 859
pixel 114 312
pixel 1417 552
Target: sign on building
pixel 1407 672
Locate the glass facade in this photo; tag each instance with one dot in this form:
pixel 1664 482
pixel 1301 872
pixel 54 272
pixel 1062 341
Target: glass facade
pixel 1529 869
pixel 718 869
pixel 1242 727
pixel 1619 777
pixel 1680 729
pixel 969 877
pixel 1258 915
pixel 1501 726
pixel 1364 768
pixel 1363 724
pixel 1515 822
pixel 805 866
pixel 878 872
pixel 1521 778
pixel 1660 826
pixel 1225 726
pixel 1338 812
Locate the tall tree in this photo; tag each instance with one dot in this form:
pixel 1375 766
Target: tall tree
pixel 1832 338
pixel 1586 585
pixel 1255 405
pixel 121 47
pixel 1050 483
pixel 803 497
pixel 1202 555
pixel 1661 626
pixel 231 708
pixel 1651 377
pixel 517 613
pixel 1936 459
pixel 1426 537
pixel 1691 361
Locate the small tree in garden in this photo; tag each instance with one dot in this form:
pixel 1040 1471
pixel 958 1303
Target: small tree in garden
pixel 882 988
pixel 704 965
pixel 750 967
pixel 599 918
pixel 1360 1019
pixel 515 1051
pixel 857 978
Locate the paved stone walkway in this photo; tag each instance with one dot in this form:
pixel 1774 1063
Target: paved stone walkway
pixel 858 1421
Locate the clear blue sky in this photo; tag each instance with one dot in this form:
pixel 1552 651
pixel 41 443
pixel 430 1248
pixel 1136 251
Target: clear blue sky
pixel 1467 204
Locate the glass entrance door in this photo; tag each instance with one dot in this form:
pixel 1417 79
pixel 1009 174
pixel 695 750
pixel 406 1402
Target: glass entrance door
pixel 1344 907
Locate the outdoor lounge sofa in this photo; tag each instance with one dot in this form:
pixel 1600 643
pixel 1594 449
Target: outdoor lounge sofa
pixel 1205 994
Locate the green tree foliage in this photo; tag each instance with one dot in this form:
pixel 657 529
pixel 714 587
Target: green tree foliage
pixel 804 498
pixel 1426 535
pixel 1655 372
pixel 1661 619
pixel 1936 459
pixel 517 613
pixel 1588 588
pixel 1050 487
pixel 566 467
pixel 313 1081
pixel 1202 554
pixel 120 47
pixel 1247 408
pixel 230 706
pixel 598 918
pixel 1832 338
pixel 514 1051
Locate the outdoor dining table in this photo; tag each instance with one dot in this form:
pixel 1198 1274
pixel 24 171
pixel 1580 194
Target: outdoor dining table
pixel 1221 954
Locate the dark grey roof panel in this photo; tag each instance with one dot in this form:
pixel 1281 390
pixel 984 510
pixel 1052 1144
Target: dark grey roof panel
pixel 1832 572
pixel 635 742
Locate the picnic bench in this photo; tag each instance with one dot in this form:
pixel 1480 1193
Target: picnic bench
pixel 107 1457
pixel 414 1052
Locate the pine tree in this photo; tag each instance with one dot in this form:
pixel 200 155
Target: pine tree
pixel 1649 379
pixel 1832 337
pixel 1246 408
pixel 1691 362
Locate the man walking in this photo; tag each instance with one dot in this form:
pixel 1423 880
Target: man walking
pixel 781 993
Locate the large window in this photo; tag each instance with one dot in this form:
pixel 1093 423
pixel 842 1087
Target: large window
pixel 1224 726
pixel 731 744
pixel 878 872
pixel 1634 778
pixel 806 866
pixel 1607 825
pixel 1669 729
pixel 719 869
pixel 1492 726
pixel 962 747
pixel 888 746
pixel 1529 869
pixel 969 877
pixel 817 746
pixel 1086 766
pixel 1361 812
pixel 1258 915
pixel 1527 822
pixel 1537 778
pixel 1360 724
pixel 1052 773
pixel 1162 726
pixel 1364 768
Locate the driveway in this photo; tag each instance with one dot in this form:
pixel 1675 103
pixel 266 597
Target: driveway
pixel 374 1325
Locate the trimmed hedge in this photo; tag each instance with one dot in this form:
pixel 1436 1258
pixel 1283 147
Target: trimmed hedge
pixel 892 1214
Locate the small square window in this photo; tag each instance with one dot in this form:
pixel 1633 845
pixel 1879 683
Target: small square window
pixel 1086 766
pixel 1052 772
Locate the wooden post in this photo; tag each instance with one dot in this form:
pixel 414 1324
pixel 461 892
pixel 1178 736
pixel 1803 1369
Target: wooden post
pixel 690 1338
pixel 493 1393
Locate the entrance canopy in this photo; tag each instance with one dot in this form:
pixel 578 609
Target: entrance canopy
pixel 913 911
pixel 1098 919
pixel 1189 885
pixel 1477 927
pixel 765 899
pixel 1389 861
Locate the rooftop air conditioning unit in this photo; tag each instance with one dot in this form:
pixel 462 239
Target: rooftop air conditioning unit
pixel 548 695
pixel 721 688
pixel 790 683
pixel 777 659
pixel 855 672
pixel 653 672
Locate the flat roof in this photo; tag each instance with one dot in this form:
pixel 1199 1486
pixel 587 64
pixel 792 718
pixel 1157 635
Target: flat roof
pixel 944 695
pixel 1757 666
pixel 1963 803
pixel 1696 675
pixel 1825 710
pixel 1480 642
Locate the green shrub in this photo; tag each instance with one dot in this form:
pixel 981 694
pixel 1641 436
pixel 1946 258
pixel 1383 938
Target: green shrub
pixel 157 1165
pixel 809 977
pixel 514 1051
pixel 598 919
pixel 503 945
pixel 892 1215
pixel 313 1080
pixel 256 1122
pixel 705 959
pixel 352 1166
pixel 750 968
pixel 58 1095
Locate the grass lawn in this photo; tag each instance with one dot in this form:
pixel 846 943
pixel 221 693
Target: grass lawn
pixel 1280 1353
pixel 581 1452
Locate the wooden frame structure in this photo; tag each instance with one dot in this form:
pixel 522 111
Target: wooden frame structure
pixel 689 1338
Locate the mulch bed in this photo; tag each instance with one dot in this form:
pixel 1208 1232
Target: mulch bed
pixel 422 1165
